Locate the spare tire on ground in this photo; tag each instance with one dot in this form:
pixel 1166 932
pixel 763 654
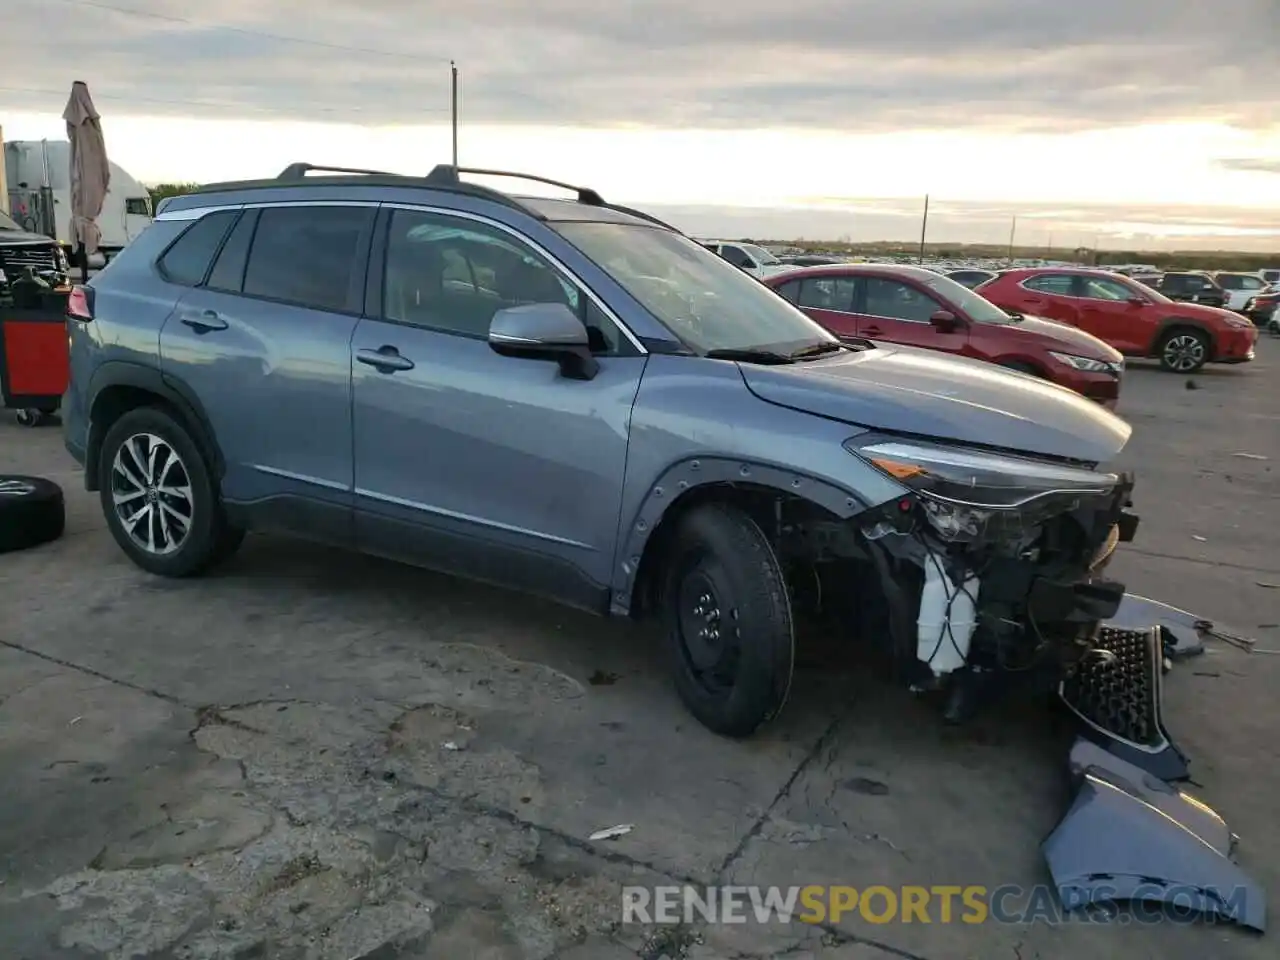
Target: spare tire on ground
pixel 31 512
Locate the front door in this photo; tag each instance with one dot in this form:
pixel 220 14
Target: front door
pixel 1109 309
pixel 263 340
pixel 470 462
pixel 899 312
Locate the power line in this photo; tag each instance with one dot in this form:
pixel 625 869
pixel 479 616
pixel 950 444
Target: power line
pixel 246 32
pixel 318 107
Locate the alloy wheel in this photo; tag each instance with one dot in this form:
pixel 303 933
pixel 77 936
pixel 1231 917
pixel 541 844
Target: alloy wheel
pixel 1184 352
pixel 16 488
pixel 151 494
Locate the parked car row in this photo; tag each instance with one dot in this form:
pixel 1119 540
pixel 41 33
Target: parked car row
pixel 574 399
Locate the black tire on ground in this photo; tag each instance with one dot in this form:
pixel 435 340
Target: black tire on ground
pixel 727 618
pixel 1183 350
pixel 1021 367
pixel 207 538
pixel 31 512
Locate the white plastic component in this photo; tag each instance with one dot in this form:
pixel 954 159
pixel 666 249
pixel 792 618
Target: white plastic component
pixel 947 619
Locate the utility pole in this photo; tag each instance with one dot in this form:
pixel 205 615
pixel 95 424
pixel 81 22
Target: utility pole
pixel 453 72
pixel 1013 228
pixel 924 226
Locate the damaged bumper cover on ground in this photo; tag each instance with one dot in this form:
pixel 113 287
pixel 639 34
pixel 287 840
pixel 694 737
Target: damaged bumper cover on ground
pixel 1131 835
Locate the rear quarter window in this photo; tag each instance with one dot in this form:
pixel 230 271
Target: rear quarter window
pixel 187 260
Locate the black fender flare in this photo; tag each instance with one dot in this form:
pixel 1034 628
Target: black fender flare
pixel 688 475
pixel 1178 321
pixel 122 373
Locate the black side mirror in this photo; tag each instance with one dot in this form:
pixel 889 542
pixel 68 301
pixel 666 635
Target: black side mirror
pixel 944 321
pixel 545 331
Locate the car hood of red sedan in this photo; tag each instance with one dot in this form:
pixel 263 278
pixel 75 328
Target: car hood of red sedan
pixel 1066 339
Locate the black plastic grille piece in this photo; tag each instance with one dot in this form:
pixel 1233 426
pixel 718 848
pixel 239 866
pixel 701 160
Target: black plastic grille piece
pixel 1117 689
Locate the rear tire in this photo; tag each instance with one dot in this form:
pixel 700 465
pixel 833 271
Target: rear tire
pixel 1183 350
pixel 159 497
pixel 727 617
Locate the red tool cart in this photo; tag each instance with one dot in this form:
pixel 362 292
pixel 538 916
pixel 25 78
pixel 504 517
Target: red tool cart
pixel 34 366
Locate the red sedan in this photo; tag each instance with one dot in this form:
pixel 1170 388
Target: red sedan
pixel 920 308
pixel 1136 320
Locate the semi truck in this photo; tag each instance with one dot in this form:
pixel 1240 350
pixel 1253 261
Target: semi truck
pixel 38 187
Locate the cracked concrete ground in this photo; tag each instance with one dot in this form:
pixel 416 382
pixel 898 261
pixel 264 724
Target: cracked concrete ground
pixel 323 756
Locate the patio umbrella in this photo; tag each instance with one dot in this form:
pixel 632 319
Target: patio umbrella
pixel 90 172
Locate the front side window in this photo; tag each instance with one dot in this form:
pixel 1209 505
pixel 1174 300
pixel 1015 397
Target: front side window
pixel 311 256
pixel 899 301
pixel 453 275
pixel 973 305
pixel 760 255
pixel 1101 288
pixel 737 256
pixel 705 302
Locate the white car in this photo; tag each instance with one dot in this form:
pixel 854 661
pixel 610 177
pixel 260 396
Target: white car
pixel 755 260
pixel 1240 288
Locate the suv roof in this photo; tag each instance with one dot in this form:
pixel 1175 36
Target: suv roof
pixel 588 204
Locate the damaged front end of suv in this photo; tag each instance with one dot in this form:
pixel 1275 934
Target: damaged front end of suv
pixel 992 565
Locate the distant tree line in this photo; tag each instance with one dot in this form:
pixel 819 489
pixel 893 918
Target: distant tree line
pixel 1163 260
pixel 160 191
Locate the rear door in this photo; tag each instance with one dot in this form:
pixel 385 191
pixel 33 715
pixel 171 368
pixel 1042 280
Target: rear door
pixel 264 342
pixel 894 310
pixel 827 299
pixel 471 462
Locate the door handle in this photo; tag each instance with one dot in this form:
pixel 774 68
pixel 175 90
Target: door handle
pixel 871 331
pixel 385 359
pixel 205 321
pixel 1033 300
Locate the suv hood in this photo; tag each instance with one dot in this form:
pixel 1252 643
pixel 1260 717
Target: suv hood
pixel 1066 339
pixel 905 390
pixel 12 237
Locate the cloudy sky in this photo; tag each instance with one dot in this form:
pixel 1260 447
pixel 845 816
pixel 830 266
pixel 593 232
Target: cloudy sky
pixel 1133 121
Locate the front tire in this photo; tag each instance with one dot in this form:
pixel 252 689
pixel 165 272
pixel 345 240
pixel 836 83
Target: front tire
pixel 728 622
pixel 1183 350
pixel 159 497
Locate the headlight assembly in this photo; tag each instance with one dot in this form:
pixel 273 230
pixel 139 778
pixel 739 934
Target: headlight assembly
pixel 1088 364
pixel 961 490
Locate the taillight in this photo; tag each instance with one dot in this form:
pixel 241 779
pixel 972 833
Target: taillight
pixel 80 304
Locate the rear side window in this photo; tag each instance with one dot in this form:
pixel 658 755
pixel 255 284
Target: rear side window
pixel 1055 283
pixel 828 293
pixel 188 258
pixel 310 256
pixel 138 206
pixel 789 290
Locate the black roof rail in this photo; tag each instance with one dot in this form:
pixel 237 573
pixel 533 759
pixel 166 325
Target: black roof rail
pixel 446 173
pixel 298 171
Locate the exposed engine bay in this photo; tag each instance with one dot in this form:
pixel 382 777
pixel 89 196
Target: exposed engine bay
pixel 1008 581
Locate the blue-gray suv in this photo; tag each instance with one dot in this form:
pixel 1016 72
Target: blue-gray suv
pixel 571 398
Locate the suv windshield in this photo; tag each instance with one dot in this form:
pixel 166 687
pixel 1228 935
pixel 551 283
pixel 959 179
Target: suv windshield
pixel 977 307
pixel 708 303
pixel 8 224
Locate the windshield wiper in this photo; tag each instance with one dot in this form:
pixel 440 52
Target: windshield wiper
pixel 819 349
pixel 747 355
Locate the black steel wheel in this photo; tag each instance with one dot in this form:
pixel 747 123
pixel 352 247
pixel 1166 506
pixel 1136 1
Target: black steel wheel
pixel 728 621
